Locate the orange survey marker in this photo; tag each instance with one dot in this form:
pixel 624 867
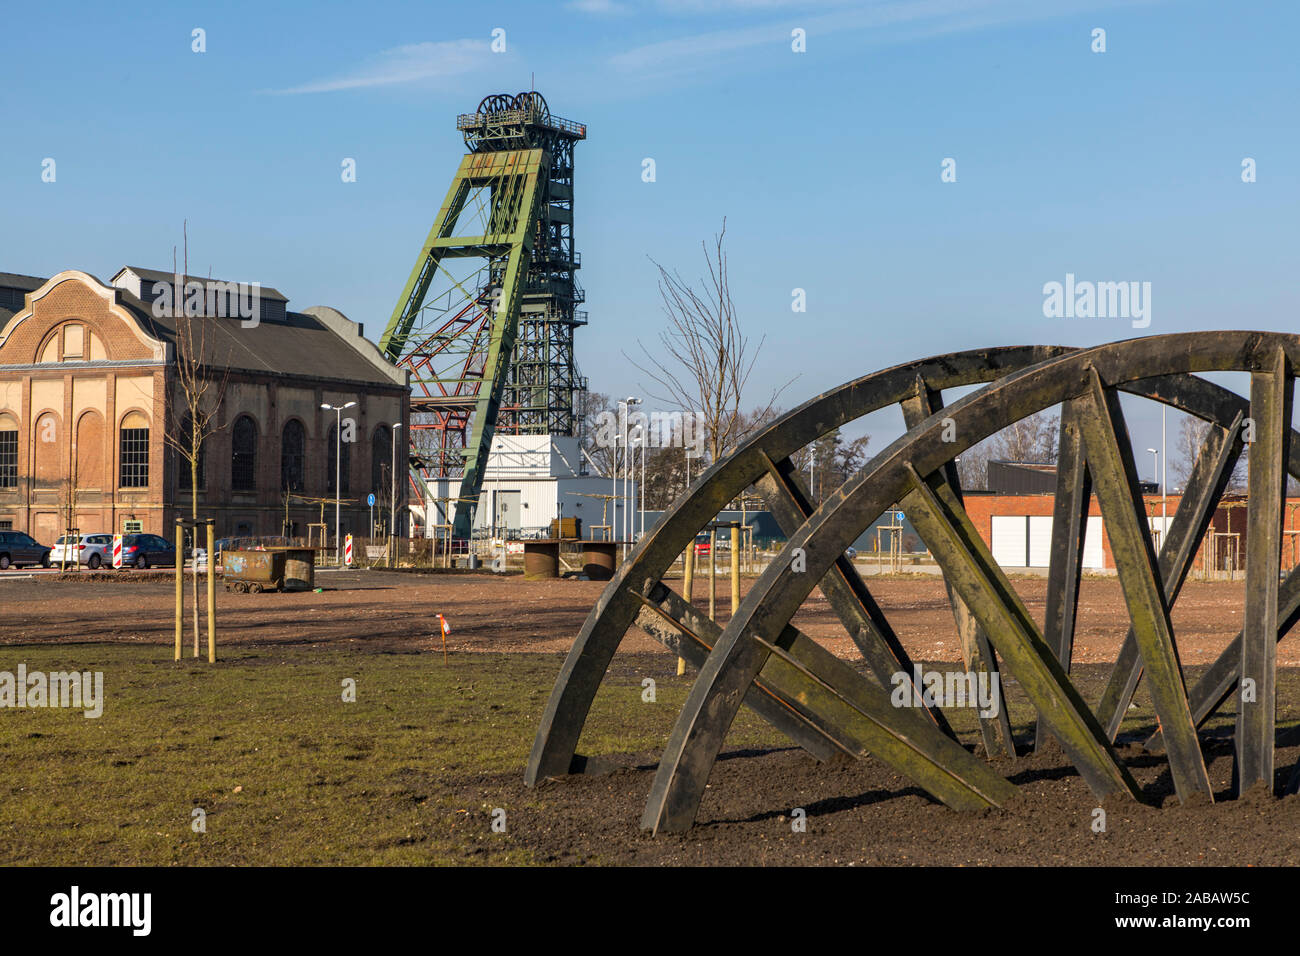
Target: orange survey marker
pixel 445 628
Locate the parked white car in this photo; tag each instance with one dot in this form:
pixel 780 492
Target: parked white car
pixel 92 550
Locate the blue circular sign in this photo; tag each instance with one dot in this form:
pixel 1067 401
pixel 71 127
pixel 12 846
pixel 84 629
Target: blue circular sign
pixel 371 500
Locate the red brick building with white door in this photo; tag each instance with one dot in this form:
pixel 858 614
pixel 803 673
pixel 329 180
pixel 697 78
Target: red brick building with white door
pixel 1017 529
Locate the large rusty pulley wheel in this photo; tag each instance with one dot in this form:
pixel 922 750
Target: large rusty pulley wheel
pixel 760 660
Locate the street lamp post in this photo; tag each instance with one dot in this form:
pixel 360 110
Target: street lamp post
pixel 392 499
pixel 1155 476
pixel 1164 474
pixel 338 469
pixel 624 406
pixel 644 446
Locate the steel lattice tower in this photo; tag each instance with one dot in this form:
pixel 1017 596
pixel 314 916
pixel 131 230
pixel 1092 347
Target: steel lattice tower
pixel 486 321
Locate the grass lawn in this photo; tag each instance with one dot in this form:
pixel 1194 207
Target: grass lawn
pixel 288 773
pixel 285 770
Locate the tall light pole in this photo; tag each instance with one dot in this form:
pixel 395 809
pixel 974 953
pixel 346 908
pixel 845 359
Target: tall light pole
pixel 641 443
pixel 338 467
pixel 625 405
pixel 392 500
pixel 1164 473
pixel 1155 476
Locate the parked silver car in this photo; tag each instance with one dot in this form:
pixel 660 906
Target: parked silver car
pixel 19 550
pixel 92 550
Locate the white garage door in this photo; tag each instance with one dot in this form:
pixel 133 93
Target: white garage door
pixel 1009 540
pixel 1093 556
pixel 1040 541
pixel 1159 528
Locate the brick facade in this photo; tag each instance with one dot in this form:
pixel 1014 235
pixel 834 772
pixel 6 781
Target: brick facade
pixel 1229 519
pixel 68 410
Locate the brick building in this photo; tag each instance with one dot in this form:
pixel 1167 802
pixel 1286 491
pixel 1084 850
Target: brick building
pixel 1018 530
pixel 89 387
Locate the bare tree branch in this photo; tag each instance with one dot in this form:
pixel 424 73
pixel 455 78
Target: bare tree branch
pixel 704 361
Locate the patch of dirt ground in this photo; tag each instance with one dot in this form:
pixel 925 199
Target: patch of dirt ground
pixel 493 613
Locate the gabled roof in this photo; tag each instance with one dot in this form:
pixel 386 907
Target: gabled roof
pixel 320 343
pixel 154 275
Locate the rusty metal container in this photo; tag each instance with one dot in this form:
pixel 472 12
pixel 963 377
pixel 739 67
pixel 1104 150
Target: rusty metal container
pixel 275 569
pixel 541 560
pixel 599 559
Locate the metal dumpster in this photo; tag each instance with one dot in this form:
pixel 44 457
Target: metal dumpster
pixel 275 569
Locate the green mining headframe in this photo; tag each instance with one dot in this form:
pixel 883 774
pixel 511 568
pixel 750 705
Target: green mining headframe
pixel 485 322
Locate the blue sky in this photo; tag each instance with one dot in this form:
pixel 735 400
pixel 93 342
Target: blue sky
pixel 1122 165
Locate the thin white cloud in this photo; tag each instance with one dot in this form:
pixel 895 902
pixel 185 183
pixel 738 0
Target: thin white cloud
pixel 407 64
pixel 598 7
pixel 927 16
pixel 713 6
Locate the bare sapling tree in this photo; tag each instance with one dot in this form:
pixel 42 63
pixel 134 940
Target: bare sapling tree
pixel 704 359
pixel 200 386
pixel 1035 438
pixel 1192 435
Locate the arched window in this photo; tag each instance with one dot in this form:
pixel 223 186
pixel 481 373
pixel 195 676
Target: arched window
pixel 89 473
pixel 72 342
pixel 133 455
pixel 8 451
pixel 381 453
pixel 345 466
pixel 243 455
pixel 292 442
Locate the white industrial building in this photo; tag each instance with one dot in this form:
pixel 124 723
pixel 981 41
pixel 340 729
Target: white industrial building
pixel 530 480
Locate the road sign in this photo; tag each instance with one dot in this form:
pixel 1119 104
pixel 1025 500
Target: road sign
pixel 371 499
pixel 117 551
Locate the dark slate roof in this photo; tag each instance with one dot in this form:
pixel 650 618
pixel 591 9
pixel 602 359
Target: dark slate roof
pixel 12 280
pixel 13 292
pixel 154 275
pixel 299 345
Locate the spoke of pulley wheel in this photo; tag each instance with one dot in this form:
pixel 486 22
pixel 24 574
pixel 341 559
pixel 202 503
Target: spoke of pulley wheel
pixel 691 635
pixel 976 652
pixel 1270 409
pixel 1110 461
pixel 960 550
pixel 1211 473
pixel 1069 528
pixel 830 693
pixel 844 588
pixel 1220 678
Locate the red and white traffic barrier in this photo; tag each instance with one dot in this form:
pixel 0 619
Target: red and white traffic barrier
pixel 117 551
pixel 347 551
